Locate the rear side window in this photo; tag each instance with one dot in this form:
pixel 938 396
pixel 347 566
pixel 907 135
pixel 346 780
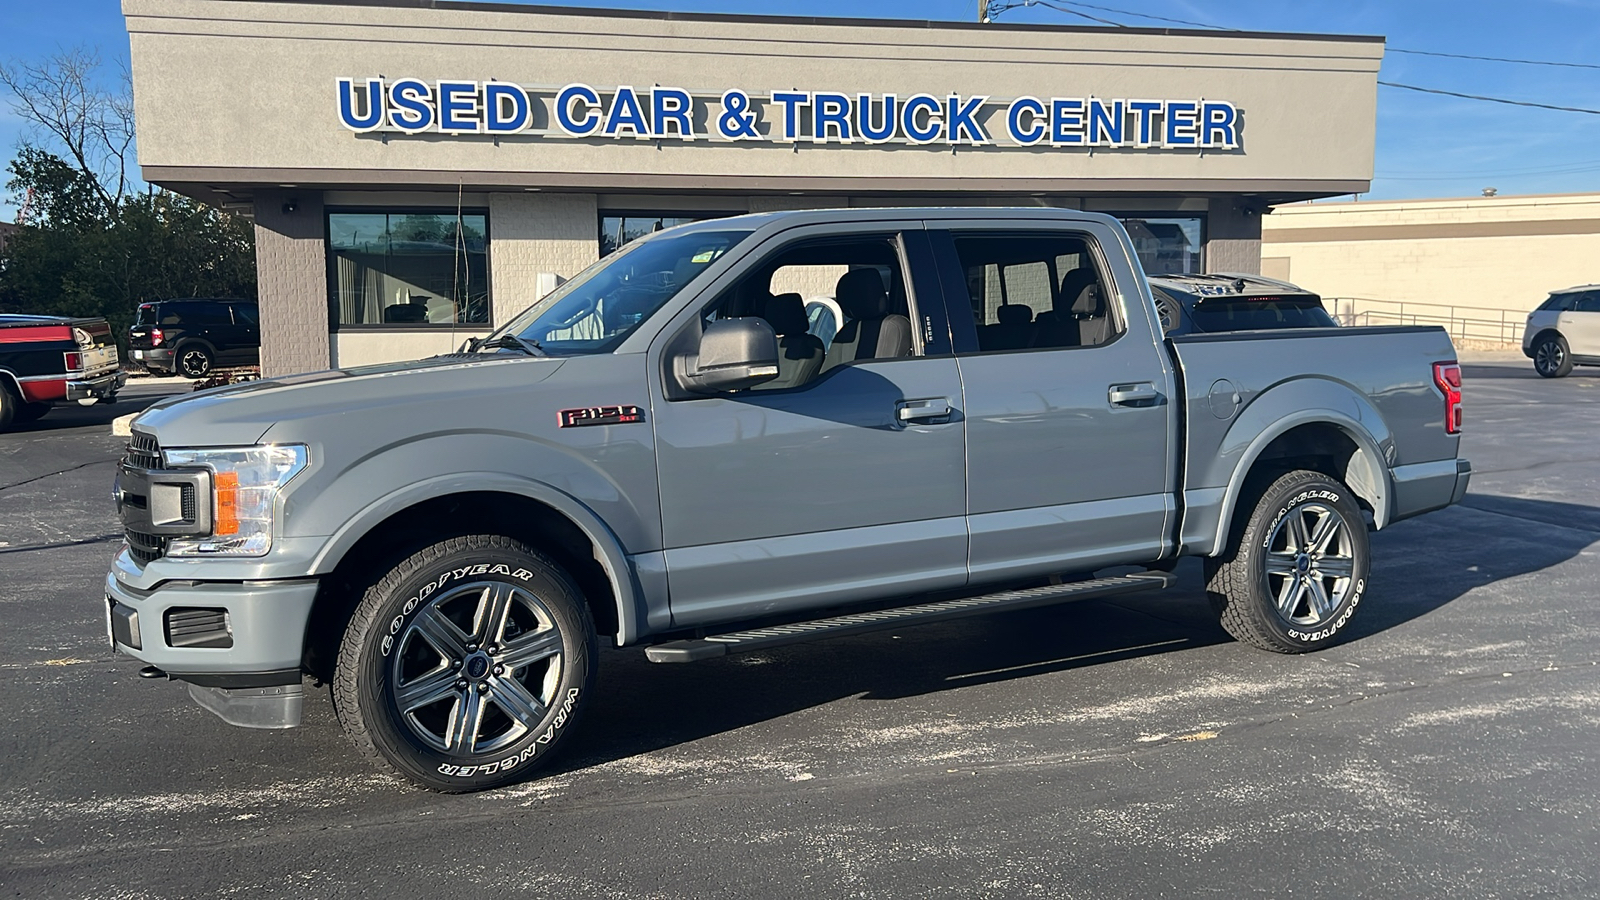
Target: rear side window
pixel 1036 290
pixel 1589 302
pixel 1558 302
pixel 1254 313
pixel 244 314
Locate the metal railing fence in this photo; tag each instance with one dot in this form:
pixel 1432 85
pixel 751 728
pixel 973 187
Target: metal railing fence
pixel 1464 323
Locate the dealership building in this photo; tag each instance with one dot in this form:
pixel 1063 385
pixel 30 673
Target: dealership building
pixel 419 171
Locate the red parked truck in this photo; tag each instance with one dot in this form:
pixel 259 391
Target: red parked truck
pixel 45 360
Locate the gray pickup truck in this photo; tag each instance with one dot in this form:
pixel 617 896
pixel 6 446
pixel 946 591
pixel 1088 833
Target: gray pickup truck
pixel 662 453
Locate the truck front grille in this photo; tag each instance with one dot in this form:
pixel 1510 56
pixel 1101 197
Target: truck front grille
pixel 146 548
pixel 145 453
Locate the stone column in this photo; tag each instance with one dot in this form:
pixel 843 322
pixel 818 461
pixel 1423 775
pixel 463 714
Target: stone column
pixel 1233 236
pixel 292 281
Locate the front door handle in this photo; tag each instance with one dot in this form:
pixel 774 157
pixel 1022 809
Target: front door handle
pixel 1142 394
pixel 922 410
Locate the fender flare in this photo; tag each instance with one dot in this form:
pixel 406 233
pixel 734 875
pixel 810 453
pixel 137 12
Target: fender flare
pixel 612 558
pixel 1369 465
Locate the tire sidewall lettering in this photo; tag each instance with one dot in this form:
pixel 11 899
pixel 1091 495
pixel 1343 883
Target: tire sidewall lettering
pixel 423 593
pixel 530 752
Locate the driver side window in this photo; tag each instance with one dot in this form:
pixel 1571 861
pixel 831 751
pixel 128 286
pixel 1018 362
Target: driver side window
pixel 831 302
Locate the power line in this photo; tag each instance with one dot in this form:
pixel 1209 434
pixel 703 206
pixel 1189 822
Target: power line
pixel 1499 59
pixel 1427 90
pixel 1406 50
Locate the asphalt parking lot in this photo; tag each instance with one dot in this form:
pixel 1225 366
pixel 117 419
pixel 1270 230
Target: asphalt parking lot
pixel 1451 748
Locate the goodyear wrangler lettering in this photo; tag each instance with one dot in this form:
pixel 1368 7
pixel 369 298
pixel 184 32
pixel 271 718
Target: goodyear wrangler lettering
pixel 659 113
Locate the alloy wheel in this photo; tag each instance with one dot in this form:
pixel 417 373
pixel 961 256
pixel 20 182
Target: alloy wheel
pixel 1310 562
pixel 477 668
pixel 1548 356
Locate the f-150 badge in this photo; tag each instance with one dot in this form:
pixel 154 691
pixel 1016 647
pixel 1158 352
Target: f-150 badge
pixel 599 415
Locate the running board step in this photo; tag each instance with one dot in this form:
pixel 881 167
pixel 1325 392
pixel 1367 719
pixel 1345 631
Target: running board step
pixel 881 620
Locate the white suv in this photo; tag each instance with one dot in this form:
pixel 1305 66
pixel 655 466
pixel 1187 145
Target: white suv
pixel 1564 331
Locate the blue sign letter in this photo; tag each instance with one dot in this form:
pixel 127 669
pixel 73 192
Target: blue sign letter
pixel 505 108
pixel 792 101
pixel 411 110
pixel 580 93
pixel 626 113
pixel 369 120
pixel 830 112
pixel 933 127
pixel 1145 111
pixel 962 117
pixel 1182 129
pixel 1219 118
pixel 671 105
pixel 1106 123
pixel 864 126
pixel 1066 120
pixel 1034 131
pixel 458 107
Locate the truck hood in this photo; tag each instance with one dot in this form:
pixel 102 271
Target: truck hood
pixel 242 414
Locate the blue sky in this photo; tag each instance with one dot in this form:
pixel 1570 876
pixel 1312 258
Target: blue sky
pixel 1428 146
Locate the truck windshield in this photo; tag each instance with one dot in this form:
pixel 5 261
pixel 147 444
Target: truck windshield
pixel 603 304
pixel 1251 313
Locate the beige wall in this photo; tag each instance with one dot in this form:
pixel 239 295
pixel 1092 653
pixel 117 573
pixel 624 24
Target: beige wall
pixel 1487 253
pixel 245 91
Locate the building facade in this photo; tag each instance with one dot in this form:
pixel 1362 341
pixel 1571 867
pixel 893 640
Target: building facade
pixel 1477 256
pixel 419 170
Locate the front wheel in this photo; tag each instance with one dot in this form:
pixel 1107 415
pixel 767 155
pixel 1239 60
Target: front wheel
pixel 1550 357
pixel 466 665
pixel 1296 569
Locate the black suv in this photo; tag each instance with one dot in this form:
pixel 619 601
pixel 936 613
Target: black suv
pixel 193 336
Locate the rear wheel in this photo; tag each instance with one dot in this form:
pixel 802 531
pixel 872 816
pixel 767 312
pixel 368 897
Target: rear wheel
pixel 1296 569
pixel 1550 356
pixel 466 664
pixel 193 361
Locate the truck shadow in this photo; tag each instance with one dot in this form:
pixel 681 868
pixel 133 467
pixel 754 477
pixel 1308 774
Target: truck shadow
pixel 1421 566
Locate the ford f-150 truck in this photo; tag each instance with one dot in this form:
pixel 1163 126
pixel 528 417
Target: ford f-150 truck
pixel 661 453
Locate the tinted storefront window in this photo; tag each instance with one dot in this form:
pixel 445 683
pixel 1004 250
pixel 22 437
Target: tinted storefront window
pixel 1167 245
pixel 408 268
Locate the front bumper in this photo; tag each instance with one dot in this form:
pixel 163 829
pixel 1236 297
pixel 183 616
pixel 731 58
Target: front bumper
pixel 255 680
pixel 98 387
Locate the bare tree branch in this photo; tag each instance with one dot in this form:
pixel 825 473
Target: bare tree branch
pixel 61 97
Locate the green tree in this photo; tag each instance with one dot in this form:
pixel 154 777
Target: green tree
pixel 90 247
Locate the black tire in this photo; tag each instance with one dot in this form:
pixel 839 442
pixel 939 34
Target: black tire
pixel 10 403
pixel 31 412
pixel 192 361
pixel 1551 358
pixel 395 643
pixel 1283 584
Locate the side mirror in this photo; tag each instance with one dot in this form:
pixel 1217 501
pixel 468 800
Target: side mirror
pixel 734 354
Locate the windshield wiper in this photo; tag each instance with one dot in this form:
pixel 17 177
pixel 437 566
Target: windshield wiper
pixel 508 341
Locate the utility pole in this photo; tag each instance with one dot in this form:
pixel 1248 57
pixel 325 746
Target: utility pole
pixel 983 11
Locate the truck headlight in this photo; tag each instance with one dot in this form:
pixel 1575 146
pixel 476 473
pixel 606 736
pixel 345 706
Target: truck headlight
pixel 245 483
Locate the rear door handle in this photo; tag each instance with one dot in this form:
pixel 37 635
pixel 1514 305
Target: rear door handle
pixel 922 410
pixel 1133 394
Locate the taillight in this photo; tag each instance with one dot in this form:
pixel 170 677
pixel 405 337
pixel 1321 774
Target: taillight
pixel 74 360
pixel 156 337
pixel 1447 376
